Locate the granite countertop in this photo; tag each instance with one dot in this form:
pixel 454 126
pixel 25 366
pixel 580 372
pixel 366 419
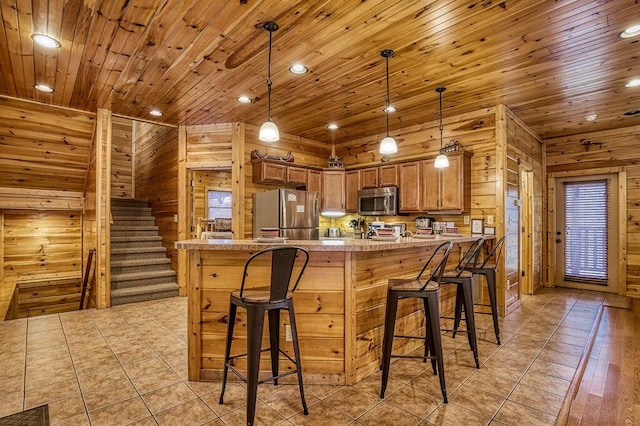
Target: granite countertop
pixel 322 245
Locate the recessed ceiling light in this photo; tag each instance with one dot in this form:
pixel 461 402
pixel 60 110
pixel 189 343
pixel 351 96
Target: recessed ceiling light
pixel 332 126
pixel 243 99
pixel 591 117
pixel 43 88
pixel 298 69
pixel 155 113
pixel 46 41
pixel 630 32
pixel 389 109
pixel 633 83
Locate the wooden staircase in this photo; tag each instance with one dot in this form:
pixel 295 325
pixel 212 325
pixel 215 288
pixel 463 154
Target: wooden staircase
pixel 140 269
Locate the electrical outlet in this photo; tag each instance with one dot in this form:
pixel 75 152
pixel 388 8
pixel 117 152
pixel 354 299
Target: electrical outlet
pixel 287 333
pixel 490 219
pixel 175 218
pixel 466 220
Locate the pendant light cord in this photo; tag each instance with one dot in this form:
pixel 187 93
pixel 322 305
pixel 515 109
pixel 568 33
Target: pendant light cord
pixel 441 127
pixel 388 101
pixel 269 79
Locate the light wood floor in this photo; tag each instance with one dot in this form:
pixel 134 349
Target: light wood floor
pixel 609 393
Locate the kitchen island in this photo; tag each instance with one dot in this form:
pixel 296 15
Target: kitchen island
pixel 340 303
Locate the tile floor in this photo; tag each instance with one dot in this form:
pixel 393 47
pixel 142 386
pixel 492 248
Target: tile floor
pixel 127 365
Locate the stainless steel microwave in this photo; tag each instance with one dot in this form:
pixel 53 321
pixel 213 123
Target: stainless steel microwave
pixel 378 201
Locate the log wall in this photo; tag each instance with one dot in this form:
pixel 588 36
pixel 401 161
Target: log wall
pixel 614 148
pixel 156 179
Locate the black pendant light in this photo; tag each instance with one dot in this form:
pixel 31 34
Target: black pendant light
pixel 441 160
pixel 269 131
pixel 388 144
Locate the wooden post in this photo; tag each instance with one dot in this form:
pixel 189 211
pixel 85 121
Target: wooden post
pixel 103 207
pixel 184 219
pixel 194 268
pixel 501 177
pixel 237 180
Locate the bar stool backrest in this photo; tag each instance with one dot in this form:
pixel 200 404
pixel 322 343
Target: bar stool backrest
pixel 470 258
pixel 283 261
pixel 495 252
pixel 435 265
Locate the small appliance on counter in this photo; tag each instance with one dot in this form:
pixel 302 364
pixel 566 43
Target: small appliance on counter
pixel 333 232
pixel 424 222
pixel 399 229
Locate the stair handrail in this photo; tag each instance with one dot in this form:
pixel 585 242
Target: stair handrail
pixel 85 279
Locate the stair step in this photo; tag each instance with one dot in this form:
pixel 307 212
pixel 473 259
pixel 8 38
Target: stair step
pixel 140 294
pixel 134 218
pixel 140 262
pixel 140 239
pixel 129 202
pixel 138 250
pixel 117 228
pixel 143 275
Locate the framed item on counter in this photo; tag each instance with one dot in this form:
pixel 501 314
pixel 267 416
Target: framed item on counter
pixel 489 230
pixel 476 226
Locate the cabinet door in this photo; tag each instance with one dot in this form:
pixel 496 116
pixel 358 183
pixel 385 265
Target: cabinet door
pixel 369 177
pixel 266 172
pixel 352 185
pixel 296 175
pixel 410 187
pixel 430 186
pixel 388 175
pixel 333 190
pixel 456 193
pixel 314 182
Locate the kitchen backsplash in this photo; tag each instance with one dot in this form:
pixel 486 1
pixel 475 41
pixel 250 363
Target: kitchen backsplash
pixel 344 223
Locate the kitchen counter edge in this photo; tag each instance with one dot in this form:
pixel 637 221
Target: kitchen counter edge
pixel 323 245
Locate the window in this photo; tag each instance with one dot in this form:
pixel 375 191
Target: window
pixel 218 204
pixel 586 231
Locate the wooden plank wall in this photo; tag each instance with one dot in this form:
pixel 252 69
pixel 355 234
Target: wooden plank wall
pixel 607 149
pixel 209 146
pixel 525 146
pixel 43 147
pixel 156 178
pixel 122 158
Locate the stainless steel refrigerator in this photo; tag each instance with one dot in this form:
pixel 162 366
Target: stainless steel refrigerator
pixel 295 213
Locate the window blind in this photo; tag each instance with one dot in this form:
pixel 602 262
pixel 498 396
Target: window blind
pixel 586 231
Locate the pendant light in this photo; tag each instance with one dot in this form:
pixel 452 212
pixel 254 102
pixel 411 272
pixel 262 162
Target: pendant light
pixel 269 131
pixel 388 144
pixel 441 160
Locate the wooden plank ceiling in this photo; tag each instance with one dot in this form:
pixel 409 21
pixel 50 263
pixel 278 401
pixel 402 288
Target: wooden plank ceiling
pixel 552 61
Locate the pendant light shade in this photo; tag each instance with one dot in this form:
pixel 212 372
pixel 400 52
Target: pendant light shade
pixel 269 131
pixel 388 144
pixel 441 160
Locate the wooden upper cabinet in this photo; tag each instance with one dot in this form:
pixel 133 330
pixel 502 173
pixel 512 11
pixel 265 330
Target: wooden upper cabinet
pixel 314 182
pixel 369 177
pixel 410 187
pixel 297 175
pixel 448 189
pixel 388 175
pixel 352 186
pixel 333 197
pixel 268 172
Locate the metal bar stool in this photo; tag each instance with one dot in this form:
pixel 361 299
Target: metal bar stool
pixel 428 291
pixel 488 269
pixel 278 295
pixel 463 279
